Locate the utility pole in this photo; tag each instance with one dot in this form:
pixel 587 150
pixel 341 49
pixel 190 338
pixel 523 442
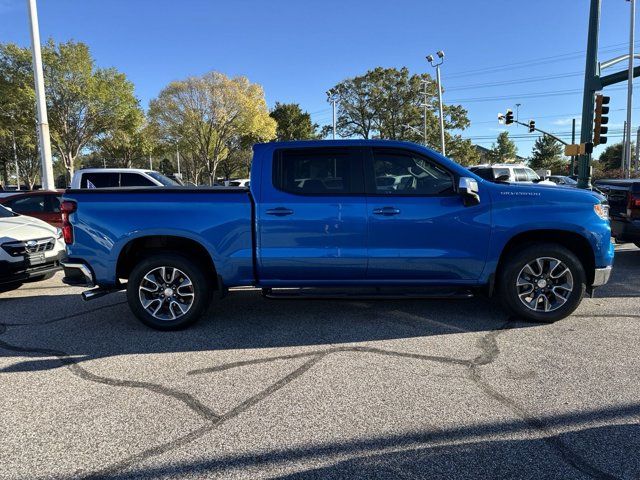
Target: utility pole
pixel 424 114
pixel 150 163
pixel 178 159
pixel 573 141
pixel 637 161
pixel 15 157
pixel 331 97
pixel 623 162
pixel 430 59
pixel 41 104
pixel 590 86
pixel 627 145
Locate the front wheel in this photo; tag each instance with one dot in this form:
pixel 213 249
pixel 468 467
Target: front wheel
pixel 542 283
pixel 168 291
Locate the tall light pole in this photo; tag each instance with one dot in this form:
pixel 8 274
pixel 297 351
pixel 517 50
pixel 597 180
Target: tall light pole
pixel 178 160
pixel 627 145
pixel 430 59
pixel 15 157
pixel 331 97
pixel 41 104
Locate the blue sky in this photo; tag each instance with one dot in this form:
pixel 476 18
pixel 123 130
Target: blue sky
pixel 498 52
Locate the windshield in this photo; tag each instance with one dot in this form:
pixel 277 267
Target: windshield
pixel 4 213
pixel 531 174
pixel 166 181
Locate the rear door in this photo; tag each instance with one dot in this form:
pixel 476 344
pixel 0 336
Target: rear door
pixel 312 221
pixel 420 231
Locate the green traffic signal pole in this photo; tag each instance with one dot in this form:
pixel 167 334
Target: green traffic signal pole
pixel 591 85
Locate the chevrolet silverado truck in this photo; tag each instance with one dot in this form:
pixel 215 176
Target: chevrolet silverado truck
pixel 349 216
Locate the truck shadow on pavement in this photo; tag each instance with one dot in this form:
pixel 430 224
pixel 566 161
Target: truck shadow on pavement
pixel 468 452
pixel 243 320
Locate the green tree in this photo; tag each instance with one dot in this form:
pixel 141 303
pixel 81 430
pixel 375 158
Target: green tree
pixel 547 155
pixel 388 103
pixel 504 150
pixel 611 157
pixel 17 115
pixel 210 113
pixel 293 123
pixel 127 144
pixel 83 102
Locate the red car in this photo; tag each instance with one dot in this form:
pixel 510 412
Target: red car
pixel 41 204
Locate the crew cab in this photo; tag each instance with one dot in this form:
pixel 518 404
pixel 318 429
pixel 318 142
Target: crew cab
pixel 624 204
pixel 325 214
pixel 120 177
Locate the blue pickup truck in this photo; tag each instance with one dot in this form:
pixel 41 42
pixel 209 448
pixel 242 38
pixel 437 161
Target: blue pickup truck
pixel 342 215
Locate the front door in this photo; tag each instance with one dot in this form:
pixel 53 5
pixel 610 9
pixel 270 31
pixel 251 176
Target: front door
pixel 312 223
pixel 419 228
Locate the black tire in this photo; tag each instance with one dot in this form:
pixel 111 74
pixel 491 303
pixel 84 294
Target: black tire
pixel 201 290
pixel 8 287
pixel 511 269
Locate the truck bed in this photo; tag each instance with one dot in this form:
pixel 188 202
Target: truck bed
pixel 219 218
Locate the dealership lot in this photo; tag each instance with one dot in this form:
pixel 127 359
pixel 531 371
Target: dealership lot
pixel 320 389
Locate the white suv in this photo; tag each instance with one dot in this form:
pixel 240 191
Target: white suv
pixel 509 172
pixel 30 249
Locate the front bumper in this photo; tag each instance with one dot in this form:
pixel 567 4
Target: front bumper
pixel 22 271
pixel 601 276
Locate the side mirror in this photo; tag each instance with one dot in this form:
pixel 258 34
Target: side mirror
pixel 468 189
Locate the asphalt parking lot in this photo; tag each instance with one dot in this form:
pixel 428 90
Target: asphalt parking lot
pixel 320 389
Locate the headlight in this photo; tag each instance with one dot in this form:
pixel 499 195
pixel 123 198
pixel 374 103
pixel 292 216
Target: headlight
pixel 58 233
pixel 601 210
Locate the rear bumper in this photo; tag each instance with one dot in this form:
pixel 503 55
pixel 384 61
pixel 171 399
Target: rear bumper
pixel 22 271
pixel 625 230
pixel 601 276
pixel 77 274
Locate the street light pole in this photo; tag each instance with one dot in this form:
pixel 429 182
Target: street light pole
pixel 440 55
pixel 331 97
pixel 178 158
pixel 43 123
pixel 627 145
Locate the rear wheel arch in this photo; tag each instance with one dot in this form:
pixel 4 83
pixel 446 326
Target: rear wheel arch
pixel 140 248
pixel 572 241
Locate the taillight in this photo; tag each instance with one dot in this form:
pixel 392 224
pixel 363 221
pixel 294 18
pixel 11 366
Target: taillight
pixel 634 201
pixel 67 207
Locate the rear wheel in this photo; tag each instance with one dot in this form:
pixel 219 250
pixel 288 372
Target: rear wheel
pixel 168 291
pixel 542 283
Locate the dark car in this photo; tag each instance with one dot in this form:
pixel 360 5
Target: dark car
pixel 624 208
pixel 41 204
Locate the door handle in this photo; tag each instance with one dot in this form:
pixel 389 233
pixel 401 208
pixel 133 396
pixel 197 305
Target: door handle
pixel 279 212
pixel 387 211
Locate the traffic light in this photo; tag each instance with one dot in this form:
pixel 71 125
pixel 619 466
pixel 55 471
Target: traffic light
pixel 600 119
pixel 532 126
pixel 508 118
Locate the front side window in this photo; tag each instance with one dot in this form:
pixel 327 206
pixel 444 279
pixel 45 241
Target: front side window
pixel 316 172
pixel 135 180
pixel 405 173
pixel 521 175
pixel 531 175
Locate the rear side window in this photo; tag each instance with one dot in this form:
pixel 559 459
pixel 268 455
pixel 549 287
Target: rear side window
pixel 31 203
pixel 100 180
pixel 406 173
pixel 319 171
pixel 135 180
